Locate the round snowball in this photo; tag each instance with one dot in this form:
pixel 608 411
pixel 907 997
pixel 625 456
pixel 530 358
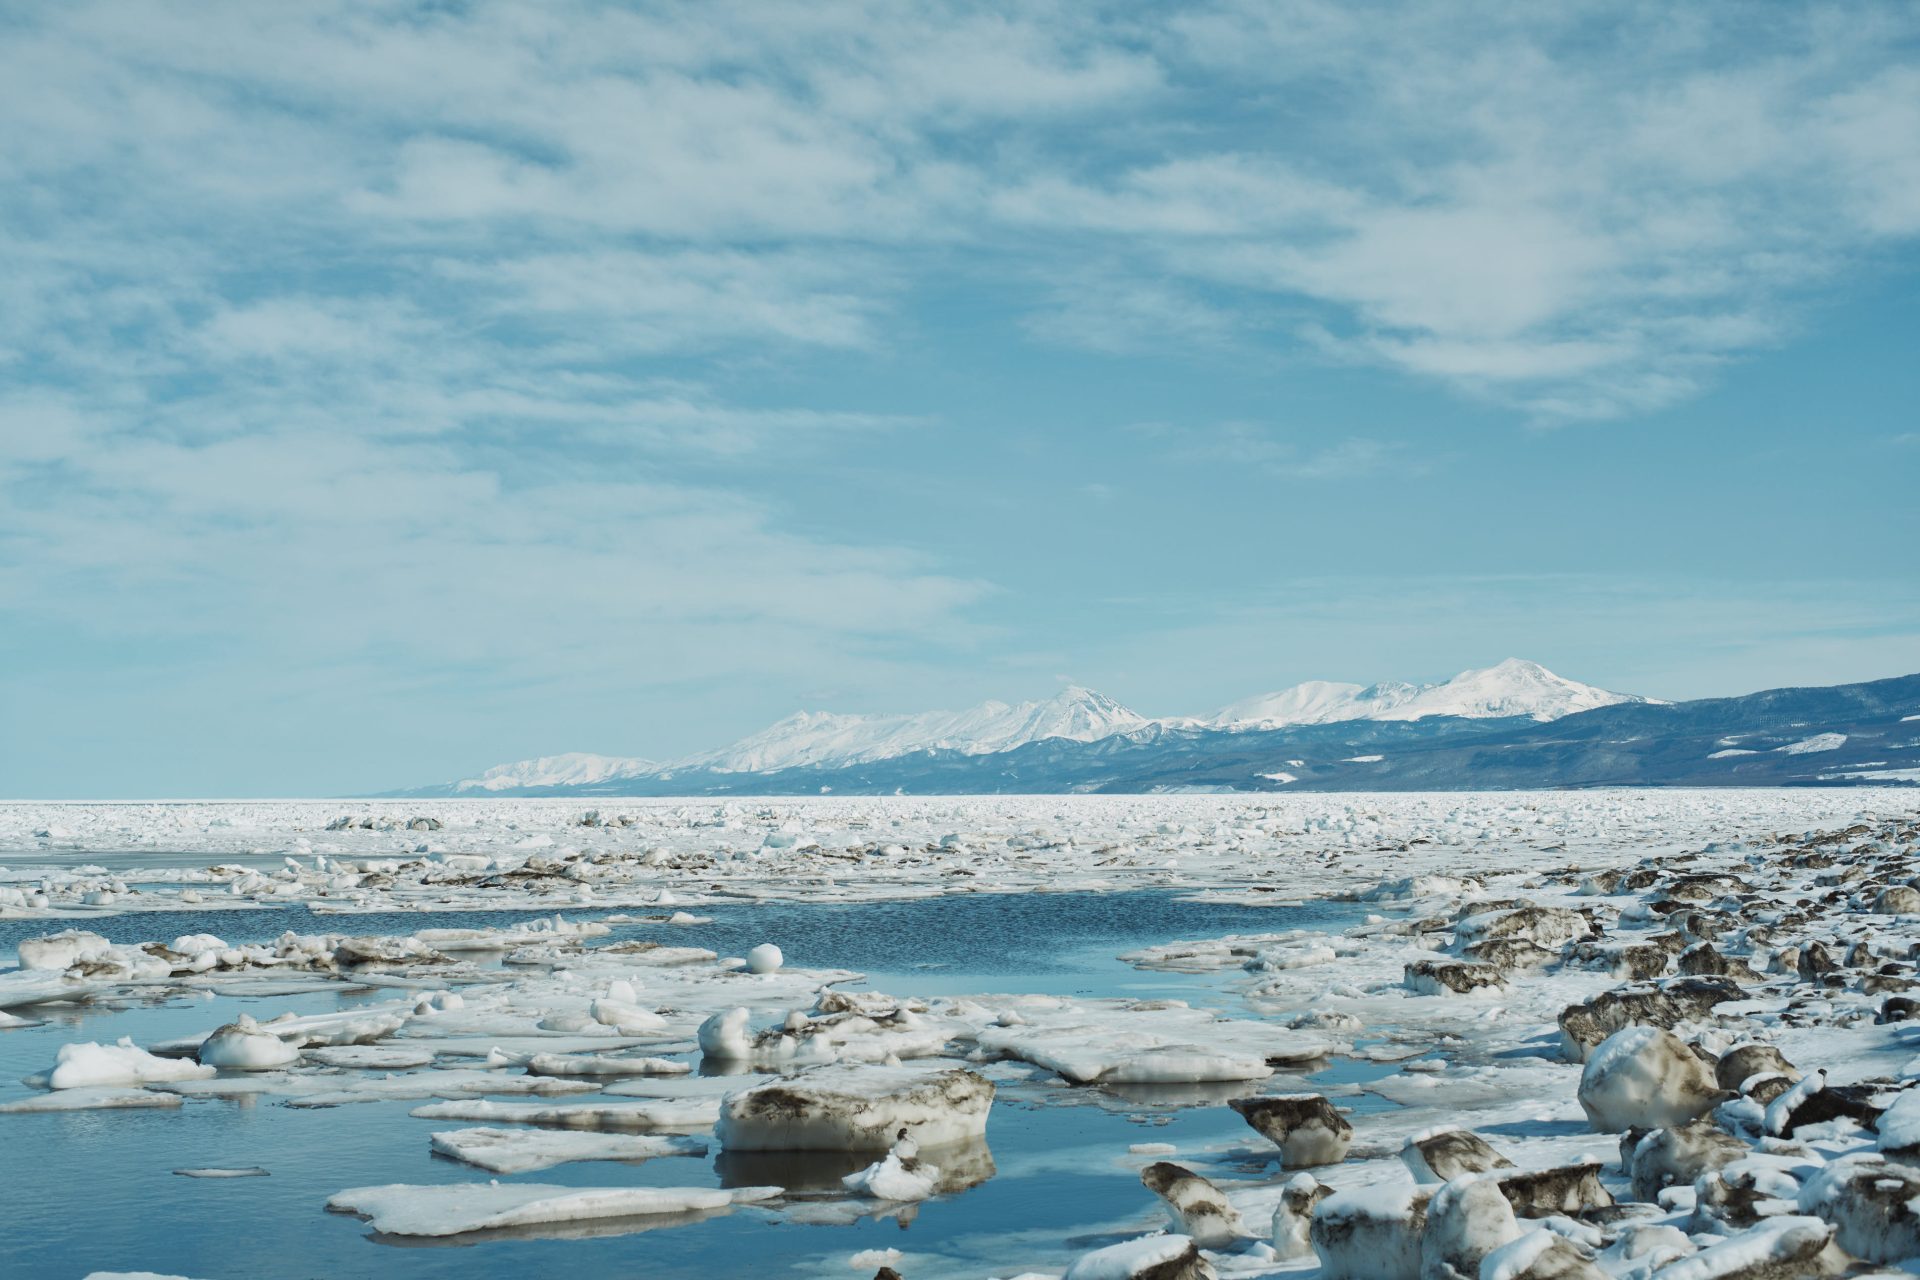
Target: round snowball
pixel 765 958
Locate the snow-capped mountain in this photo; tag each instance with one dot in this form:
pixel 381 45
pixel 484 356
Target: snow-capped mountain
pixel 827 740
pixel 570 769
pixel 1511 688
pixel 823 738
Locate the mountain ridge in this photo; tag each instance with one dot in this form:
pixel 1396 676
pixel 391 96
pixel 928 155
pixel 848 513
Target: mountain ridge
pixel 823 739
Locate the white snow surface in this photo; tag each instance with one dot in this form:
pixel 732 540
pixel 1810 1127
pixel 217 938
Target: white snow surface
pixel 569 769
pixel 1514 687
pixel 403 1210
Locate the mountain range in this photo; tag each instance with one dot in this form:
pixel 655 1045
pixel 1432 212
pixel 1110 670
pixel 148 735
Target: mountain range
pixel 1514 724
pixel 826 740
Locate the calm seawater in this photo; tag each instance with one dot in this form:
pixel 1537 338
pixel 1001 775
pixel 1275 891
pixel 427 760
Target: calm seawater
pixel 95 1190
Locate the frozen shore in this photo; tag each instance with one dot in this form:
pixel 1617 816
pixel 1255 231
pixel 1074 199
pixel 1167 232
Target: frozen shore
pixel 1620 1034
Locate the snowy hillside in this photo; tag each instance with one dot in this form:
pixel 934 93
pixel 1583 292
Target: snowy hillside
pixel 570 769
pixel 819 737
pixel 1512 688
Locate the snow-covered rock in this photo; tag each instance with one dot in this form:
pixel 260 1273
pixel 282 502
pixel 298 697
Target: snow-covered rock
pixel 1645 1078
pixel 1873 1204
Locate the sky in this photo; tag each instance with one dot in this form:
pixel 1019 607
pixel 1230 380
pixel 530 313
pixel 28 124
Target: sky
pixel 388 390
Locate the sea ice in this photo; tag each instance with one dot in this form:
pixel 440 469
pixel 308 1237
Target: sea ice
pixel 80 1066
pixel 403 1210
pixel 527 1150
pixel 863 1108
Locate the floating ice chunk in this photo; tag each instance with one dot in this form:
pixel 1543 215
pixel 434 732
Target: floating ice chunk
pixel 92 1098
pixel 1196 1206
pixel 242 1046
pixel 895 1177
pixel 62 950
pixel 628 1019
pixel 724 1037
pixel 1161 1257
pixel 1645 1078
pixel 251 1172
pixel 580 1064
pixel 765 958
pixel 403 1210
pixel 82 1066
pixel 660 1113
pixel 526 1150
pixel 1168 1044
pixel 849 1108
pixel 371 1057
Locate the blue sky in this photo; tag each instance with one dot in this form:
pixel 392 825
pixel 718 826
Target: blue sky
pixel 388 390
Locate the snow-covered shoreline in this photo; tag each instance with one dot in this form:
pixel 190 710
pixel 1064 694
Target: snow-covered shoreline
pixel 1611 1036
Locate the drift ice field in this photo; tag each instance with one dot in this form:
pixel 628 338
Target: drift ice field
pixel 1627 1034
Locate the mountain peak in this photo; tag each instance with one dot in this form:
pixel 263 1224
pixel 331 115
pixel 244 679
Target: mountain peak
pixel 568 769
pixel 1512 687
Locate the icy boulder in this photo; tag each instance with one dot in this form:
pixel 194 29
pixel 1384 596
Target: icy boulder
pixel 1788 1247
pixel 242 1046
pixel 1293 1216
pixel 1197 1207
pixel 1563 1189
pixel 1149 1258
pixel 1584 1026
pixel 1372 1233
pixel 725 1037
pixel 1645 1078
pixel 856 1108
pixel 1540 1255
pixel 1441 1155
pixel 1467 1219
pixel 1305 1126
pixel 1740 1064
pixel 1432 976
pixel 765 958
pixel 87 1066
pixel 1871 1202
pixel 1900 1127
pixel 1675 1157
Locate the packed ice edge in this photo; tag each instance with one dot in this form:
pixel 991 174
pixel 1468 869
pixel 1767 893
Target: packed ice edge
pixel 1621 1034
